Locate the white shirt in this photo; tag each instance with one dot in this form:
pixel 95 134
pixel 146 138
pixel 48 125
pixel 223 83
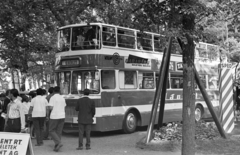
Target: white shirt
pixel 39 104
pixel 58 103
pixel 26 106
pixel 15 110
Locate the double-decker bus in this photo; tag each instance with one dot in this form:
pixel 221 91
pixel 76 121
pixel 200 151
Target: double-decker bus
pixel 120 67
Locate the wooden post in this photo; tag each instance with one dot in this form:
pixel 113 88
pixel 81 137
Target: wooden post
pixel 158 92
pixel 188 107
pixel 209 104
pixel 164 90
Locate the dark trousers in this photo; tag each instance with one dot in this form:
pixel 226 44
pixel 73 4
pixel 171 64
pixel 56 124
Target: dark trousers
pixel 55 129
pixel 87 128
pixel 38 123
pixel 46 129
pixel 13 125
pixel 2 123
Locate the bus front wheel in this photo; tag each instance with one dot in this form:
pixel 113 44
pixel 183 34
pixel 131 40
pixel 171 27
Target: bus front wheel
pixel 198 113
pixel 130 122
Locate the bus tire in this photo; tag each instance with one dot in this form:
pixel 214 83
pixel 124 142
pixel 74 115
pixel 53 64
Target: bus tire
pixel 198 113
pixel 130 122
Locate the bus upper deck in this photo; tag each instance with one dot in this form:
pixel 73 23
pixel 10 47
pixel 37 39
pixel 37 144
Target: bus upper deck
pixel 97 35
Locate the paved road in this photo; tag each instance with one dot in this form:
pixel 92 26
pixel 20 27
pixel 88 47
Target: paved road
pixel 109 143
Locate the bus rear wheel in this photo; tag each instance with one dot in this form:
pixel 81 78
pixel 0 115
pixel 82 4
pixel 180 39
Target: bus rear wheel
pixel 130 122
pixel 198 113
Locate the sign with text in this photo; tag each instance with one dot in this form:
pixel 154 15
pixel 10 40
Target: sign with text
pixel 15 144
pixel 137 63
pixel 225 65
pixel 70 62
pixel 179 66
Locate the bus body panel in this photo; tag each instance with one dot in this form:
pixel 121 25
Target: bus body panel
pixel 112 107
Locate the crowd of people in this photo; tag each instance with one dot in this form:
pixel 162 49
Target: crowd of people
pixel 43 115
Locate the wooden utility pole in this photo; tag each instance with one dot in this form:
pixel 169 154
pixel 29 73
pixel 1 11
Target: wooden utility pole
pixel 209 104
pixel 158 93
pixel 164 90
pixel 188 113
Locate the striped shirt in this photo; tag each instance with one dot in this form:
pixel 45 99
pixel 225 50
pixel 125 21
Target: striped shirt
pixel 15 110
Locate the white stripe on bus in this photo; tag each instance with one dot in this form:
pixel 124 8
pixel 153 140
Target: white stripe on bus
pixel 121 110
pixel 111 51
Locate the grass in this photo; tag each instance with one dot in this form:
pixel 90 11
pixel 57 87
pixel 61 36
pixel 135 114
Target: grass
pixel 219 146
pixel 216 146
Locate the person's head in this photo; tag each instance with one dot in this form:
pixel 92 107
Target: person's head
pixel 14 93
pixel 39 91
pixel 86 92
pixel 25 98
pixel 44 92
pixel 57 89
pixel 32 94
pixel 51 90
pixel 8 92
pixel 2 96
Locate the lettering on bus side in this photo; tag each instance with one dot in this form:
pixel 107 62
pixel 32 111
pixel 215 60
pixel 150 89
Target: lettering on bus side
pixel 178 96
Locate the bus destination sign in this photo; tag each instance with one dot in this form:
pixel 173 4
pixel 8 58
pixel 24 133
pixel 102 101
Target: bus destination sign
pixel 70 63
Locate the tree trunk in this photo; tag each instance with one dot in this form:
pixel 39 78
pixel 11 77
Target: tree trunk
pixel 188 113
pixel 23 80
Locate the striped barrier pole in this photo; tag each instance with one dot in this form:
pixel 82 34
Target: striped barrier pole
pixel 226 98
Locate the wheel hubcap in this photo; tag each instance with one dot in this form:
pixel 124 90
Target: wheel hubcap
pixel 198 114
pixel 131 121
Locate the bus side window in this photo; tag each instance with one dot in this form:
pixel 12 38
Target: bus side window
pixel 156 81
pixel 212 81
pixel 126 38
pixel 176 81
pixel 108 35
pixel 127 79
pixel 108 79
pixel 145 80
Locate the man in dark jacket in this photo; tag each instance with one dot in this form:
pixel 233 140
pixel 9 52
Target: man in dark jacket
pixel 86 108
pixel 4 107
pixel 2 119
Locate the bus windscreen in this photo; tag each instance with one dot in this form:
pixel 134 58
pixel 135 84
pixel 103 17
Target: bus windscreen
pixel 85 80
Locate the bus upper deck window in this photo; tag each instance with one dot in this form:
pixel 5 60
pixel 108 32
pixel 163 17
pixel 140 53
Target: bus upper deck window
pixel 144 41
pixel 85 37
pixel 159 43
pixel 64 39
pixel 176 49
pixel 126 38
pixel 108 35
